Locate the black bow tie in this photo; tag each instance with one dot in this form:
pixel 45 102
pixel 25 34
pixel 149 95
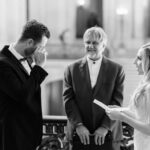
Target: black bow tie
pixel 93 61
pixel 23 59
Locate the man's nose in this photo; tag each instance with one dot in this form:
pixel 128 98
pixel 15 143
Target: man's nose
pixel 43 50
pixel 91 45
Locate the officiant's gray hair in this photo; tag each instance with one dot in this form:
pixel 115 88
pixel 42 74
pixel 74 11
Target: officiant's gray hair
pixel 98 33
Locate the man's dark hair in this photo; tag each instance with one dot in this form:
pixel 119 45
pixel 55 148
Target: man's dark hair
pixel 34 30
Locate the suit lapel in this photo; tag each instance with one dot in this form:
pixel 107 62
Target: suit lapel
pixel 14 62
pixel 85 73
pixel 101 76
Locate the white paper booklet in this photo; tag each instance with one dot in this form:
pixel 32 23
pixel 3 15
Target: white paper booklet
pixel 105 107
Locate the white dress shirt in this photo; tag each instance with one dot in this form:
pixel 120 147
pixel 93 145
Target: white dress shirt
pixel 94 68
pixel 18 56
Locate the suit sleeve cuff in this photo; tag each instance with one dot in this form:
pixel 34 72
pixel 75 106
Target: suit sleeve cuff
pixel 39 73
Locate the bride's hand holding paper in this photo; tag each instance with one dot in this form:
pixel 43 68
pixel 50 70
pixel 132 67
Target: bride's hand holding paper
pixel 114 113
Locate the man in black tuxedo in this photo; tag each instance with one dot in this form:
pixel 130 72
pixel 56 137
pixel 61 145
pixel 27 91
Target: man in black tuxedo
pixel 93 77
pixel 21 73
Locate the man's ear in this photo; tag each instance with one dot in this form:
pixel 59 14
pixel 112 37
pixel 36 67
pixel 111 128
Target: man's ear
pixel 30 42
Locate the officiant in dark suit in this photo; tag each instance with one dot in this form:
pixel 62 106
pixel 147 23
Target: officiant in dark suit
pixel 21 73
pixel 93 77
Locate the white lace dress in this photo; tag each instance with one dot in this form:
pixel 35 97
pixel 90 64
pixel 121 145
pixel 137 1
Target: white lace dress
pixel 142 113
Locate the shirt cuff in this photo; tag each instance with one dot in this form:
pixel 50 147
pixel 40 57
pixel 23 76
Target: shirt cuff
pixel 78 124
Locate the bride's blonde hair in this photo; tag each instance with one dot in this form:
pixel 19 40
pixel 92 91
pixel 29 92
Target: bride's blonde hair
pixel 139 91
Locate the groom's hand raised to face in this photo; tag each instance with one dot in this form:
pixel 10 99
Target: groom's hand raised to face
pixel 39 57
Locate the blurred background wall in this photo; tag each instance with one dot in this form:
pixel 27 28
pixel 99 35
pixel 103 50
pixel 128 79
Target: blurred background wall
pixel 125 21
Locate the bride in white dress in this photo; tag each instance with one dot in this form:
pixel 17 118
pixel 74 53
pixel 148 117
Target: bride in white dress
pixel 138 113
